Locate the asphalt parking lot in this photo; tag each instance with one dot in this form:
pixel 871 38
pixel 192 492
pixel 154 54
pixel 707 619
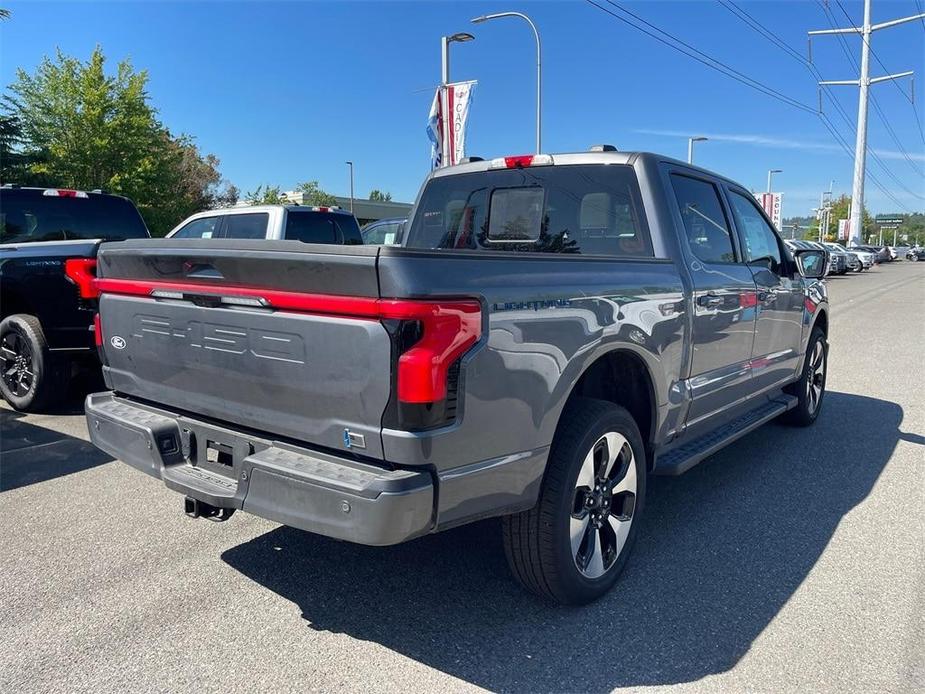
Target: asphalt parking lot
pixel 792 561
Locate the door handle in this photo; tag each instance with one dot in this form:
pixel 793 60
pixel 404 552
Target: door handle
pixel 710 300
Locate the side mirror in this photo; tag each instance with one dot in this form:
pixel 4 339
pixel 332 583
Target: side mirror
pixel 812 263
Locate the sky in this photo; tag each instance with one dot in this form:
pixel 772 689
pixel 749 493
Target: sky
pixel 284 92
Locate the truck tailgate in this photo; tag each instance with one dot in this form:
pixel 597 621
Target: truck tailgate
pixel 253 333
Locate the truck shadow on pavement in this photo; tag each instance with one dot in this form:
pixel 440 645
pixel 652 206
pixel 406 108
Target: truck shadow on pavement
pixel 30 453
pixel 720 551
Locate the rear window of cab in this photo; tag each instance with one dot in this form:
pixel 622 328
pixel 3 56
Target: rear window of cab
pixel 32 216
pixel 586 209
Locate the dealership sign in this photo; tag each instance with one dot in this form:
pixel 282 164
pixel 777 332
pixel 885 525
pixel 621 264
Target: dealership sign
pixel 446 124
pixel 889 219
pixel 843 226
pixel 771 202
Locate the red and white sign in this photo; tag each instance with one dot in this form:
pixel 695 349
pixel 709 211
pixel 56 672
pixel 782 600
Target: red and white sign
pixel 446 125
pixel 772 205
pixel 844 226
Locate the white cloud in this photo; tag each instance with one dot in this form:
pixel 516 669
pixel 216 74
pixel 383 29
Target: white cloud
pixel 775 142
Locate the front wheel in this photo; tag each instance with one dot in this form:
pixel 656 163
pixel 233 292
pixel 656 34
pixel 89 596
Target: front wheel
pixel 810 389
pixel 572 546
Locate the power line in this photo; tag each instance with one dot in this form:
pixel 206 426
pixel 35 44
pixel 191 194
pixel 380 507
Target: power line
pixel 907 97
pixel 830 18
pixel 698 55
pixel 847 148
pixel 724 69
pixel 755 24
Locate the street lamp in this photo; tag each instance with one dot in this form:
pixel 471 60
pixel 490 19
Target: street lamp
pixel 690 146
pixel 771 172
pixel 539 65
pixel 350 164
pixel 445 42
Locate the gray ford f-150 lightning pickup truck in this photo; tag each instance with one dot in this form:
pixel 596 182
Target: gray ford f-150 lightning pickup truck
pixel 552 329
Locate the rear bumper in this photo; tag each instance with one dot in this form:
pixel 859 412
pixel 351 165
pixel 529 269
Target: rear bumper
pixel 321 493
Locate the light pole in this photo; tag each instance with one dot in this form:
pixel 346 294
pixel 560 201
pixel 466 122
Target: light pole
pixel 350 164
pixel 690 146
pixel 771 172
pixel 539 66
pixel 445 42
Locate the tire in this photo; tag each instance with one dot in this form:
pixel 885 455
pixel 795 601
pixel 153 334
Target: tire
pixel 810 388
pixel 31 377
pixel 538 543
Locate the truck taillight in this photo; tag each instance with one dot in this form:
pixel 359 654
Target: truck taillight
pixel 444 331
pixel 82 272
pixel 97 331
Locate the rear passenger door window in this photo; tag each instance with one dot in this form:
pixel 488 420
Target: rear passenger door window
pixel 759 239
pixel 203 228
pixel 246 226
pixel 705 224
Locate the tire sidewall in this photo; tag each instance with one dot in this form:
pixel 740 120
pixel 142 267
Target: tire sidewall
pixel 581 589
pixel 816 336
pixel 40 362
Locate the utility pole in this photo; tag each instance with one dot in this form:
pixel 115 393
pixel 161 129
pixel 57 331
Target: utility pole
pixel 864 81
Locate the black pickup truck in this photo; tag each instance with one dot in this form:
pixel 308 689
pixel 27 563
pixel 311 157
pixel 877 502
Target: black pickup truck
pixel 49 239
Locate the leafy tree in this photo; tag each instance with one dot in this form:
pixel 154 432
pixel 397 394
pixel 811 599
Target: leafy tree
pixel 379 196
pixel 840 210
pixel 99 130
pixel 16 161
pixel 315 196
pixel 266 195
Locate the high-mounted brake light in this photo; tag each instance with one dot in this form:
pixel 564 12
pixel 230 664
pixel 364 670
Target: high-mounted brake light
pixel 82 272
pixel 328 208
pixel 521 161
pixel 64 193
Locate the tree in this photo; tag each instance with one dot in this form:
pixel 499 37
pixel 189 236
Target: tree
pixel 379 196
pixel 99 130
pixel 266 195
pixel 315 196
pixel 16 161
pixel 840 207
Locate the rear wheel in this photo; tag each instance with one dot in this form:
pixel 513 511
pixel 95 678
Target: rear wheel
pixel 810 389
pixel 30 376
pixel 572 546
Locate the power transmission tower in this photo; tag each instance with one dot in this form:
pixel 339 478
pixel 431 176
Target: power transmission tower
pixel 864 81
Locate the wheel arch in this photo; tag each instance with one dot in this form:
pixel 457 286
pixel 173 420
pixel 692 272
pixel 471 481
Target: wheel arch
pixel 822 321
pixel 622 377
pixel 14 302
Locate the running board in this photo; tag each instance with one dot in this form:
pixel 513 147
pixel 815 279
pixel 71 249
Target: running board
pixel 683 458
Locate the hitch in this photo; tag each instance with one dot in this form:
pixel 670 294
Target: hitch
pixel 194 508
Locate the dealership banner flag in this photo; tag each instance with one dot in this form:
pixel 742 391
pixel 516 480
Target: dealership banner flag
pixel 458 100
pixel 435 130
pixel 772 205
pixel 446 124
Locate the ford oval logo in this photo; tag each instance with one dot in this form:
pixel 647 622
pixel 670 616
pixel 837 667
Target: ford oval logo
pixel 117 342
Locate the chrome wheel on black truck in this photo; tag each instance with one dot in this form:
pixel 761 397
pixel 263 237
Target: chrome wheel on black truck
pixel 572 546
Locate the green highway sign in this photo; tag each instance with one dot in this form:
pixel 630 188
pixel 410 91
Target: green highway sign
pixel 889 219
